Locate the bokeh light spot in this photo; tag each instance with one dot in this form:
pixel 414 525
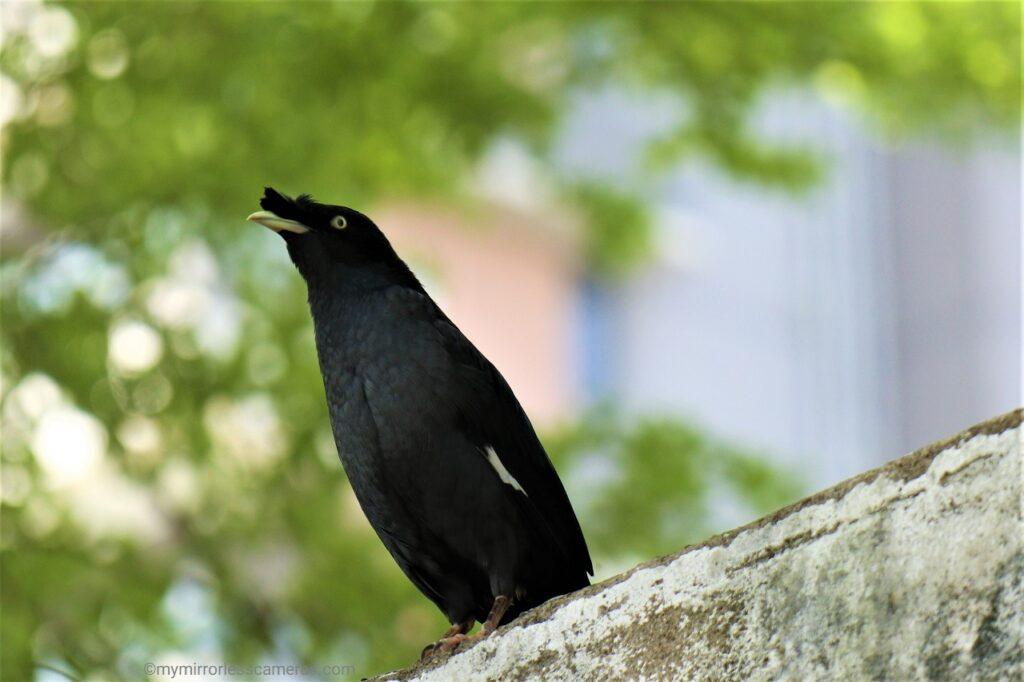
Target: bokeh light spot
pixel 11 100
pixel 69 444
pixel 52 31
pixel 134 346
pixel 107 55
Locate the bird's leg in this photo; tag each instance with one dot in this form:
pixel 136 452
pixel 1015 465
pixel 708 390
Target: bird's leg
pixel 501 604
pixel 458 629
pixel 449 640
pixel 457 634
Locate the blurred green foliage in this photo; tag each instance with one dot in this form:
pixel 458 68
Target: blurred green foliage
pixel 657 484
pixel 220 523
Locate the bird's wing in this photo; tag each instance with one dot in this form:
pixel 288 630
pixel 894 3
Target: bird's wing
pixel 492 417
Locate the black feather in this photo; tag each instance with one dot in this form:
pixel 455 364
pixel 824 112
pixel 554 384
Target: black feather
pixel 416 410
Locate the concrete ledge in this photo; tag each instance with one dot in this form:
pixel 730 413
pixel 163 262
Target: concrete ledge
pixel 912 570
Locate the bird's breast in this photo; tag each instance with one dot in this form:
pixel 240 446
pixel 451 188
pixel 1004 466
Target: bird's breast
pixel 382 359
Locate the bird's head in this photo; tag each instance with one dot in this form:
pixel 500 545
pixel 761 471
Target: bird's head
pixel 332 245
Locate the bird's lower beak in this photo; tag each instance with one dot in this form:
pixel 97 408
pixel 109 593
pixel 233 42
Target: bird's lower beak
pixel 277 223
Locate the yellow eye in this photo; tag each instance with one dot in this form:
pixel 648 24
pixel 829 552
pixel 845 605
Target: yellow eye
pixel 338 222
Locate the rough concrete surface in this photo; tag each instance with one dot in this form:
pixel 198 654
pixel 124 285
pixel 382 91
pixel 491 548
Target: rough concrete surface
pixel 910 571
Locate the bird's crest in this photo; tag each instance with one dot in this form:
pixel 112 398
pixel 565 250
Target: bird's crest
pixel 283 205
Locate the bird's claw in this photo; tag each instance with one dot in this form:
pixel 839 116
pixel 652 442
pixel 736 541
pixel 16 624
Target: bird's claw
pixel 450 643
pixel 453 642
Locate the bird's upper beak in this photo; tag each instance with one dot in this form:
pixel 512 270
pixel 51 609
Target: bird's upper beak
pixel 277 223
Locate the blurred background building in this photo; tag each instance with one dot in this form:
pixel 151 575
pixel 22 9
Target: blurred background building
pixel 838 329
pixel 835 329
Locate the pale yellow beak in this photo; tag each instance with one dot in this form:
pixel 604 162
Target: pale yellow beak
pixel 277 223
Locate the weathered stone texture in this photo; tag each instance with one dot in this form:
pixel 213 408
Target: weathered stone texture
pixel 910 571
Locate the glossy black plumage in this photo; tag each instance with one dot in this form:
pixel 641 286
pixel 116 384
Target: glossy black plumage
pixel 417 411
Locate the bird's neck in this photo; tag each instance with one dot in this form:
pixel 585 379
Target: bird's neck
pixel 345 313
pixel 340 300
pixel 342 281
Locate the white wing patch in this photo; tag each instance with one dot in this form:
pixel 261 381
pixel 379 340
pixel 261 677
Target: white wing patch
pixel 503 473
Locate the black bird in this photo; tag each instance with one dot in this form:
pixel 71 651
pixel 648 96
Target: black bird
pixel 441 456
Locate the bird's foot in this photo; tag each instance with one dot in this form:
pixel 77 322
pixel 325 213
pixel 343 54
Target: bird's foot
pixel 446 644
pixel 453 642
pixel 456 636
pixel 449 641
